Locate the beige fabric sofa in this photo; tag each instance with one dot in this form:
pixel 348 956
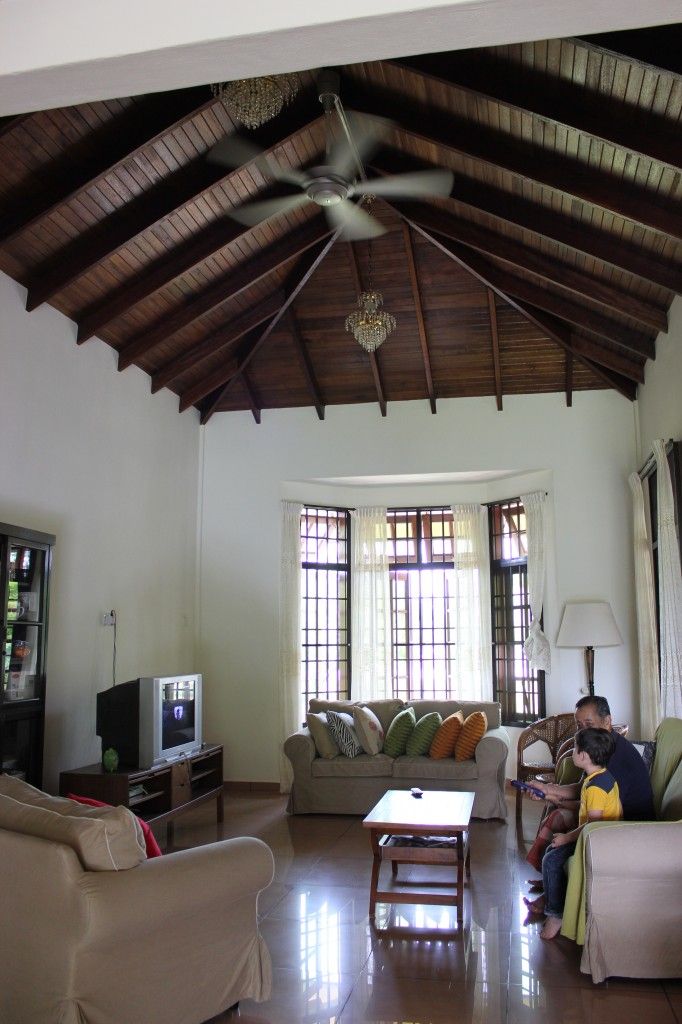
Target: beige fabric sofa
pixel 343 785
pixel 173 940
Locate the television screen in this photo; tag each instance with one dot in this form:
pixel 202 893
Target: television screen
pixel 177 713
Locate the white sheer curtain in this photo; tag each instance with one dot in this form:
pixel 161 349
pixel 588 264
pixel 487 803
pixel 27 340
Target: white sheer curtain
pixel 536 644
pixel 291 710
pixel 647 640
pixel 370 604
pixel 669 591
pixel 471 603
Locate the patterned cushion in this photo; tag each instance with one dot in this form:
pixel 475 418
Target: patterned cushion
pixel 420 738
pixel 443 743
pixel 399 732
pixel 647 750
pixel 341 727
pixel 472 731
pixel 322 738
pixel 369 730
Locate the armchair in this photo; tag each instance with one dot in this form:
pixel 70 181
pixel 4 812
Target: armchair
pixel 552 732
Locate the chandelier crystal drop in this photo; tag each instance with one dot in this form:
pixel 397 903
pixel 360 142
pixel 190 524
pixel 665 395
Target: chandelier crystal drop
pixel 369 324
pixel 257 100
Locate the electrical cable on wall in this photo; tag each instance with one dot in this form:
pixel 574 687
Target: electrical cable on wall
pixel 113 666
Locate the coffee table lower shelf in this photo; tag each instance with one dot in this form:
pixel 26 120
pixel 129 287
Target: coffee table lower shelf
pixel 398 849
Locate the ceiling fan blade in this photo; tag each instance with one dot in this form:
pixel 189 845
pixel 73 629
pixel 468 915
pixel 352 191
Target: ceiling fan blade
pixel 355 222
pixel 254 213
pixel 366 133
pixel 420 183
pixel 234 151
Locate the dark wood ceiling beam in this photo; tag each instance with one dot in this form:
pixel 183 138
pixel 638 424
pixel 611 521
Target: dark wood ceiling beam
pixel 524 258
pixel 220 380
pixel 226 289
pixel 218 340
pixel 546 223
pixel 569 379
pixel 10 122
pixel 552 326
pixel 421 326
pixel 138 126
pixel 306 364
pixel 373 361
pixel 495 342
pixel 251 395
pixel 597 352
pixel 149 209
pixel 560 173
pixel 559 103
pixel 509 285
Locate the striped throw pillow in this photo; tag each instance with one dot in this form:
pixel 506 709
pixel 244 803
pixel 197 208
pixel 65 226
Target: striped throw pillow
pixel 420 738
pixel 399 732
pixel 341 727
pixel 472 731
pixel 443 743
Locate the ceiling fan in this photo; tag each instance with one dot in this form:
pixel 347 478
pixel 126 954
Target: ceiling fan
pixel 340 179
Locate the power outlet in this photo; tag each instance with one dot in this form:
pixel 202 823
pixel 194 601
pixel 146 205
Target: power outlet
pixel 109 618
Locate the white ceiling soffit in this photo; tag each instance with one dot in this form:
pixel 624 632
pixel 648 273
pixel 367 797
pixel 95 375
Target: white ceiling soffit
pixel 59 52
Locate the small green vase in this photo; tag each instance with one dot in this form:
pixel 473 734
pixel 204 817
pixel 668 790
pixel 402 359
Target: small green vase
pixel 110 760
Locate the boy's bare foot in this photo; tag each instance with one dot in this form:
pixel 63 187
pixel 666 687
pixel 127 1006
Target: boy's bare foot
pixel 536 906
pixel 551 928
pixel 535 885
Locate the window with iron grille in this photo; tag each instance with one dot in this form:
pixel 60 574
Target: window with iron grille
pixel 325 613
pixel 520 690
pixel 421 584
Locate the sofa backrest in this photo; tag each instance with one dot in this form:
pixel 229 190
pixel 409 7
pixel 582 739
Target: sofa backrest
pixel 386 710
pixel 666 773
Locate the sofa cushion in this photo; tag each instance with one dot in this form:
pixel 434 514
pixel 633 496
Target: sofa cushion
pixel 443 743
pixel 109 842
pixel 369 729
pixel 342 730
pixel 325 745
pixel 151 847
pixel 668 757
pixel 426 768
pixel 399 732
pixel 472 731
pixel 444 708
pixel 419 740
pixel 385 710
pixel 363 766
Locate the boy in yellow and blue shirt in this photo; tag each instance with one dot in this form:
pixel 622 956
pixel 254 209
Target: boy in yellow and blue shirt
pixel 599 801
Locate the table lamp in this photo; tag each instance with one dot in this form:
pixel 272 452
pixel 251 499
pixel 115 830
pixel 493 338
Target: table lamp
pixel 588 624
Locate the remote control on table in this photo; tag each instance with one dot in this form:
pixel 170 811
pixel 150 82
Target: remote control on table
pixel 416 791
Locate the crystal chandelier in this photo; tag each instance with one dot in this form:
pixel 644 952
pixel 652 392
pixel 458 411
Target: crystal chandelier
pixel 369 324
pixel 257 100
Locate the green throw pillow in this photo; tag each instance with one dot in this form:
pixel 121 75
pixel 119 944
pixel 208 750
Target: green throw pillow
pixel 421 737
pixel 399 732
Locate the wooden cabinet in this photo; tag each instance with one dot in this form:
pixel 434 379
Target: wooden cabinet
pixel 156 794
pixel 25 563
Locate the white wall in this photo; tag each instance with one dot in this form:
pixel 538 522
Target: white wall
pixel 89 455
pixel 660 397
pixel 582 455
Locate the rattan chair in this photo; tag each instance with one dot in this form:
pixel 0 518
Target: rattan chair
pixel 552 732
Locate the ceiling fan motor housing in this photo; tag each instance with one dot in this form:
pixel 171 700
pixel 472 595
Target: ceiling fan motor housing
pixel 327 188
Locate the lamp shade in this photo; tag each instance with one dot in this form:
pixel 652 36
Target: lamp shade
pixel 588 624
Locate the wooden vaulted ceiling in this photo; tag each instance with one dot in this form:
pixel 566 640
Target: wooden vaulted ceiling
pixel 551 266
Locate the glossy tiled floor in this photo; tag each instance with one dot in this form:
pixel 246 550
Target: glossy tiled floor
pixel 330 966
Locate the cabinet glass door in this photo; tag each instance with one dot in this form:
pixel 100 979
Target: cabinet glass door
pixel 24 622
pixel 26 583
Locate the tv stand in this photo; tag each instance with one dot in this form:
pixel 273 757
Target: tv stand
pixel 157 794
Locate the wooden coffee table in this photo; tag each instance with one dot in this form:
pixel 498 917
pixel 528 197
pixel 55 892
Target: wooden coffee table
pixel 439 814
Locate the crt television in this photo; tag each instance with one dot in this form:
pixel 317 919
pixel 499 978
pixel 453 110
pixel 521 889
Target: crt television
pixel 151 719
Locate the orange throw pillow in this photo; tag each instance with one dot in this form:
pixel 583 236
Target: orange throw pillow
pixel 472 731
pixel 443 743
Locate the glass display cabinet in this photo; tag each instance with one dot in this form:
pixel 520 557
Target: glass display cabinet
pixel 25 563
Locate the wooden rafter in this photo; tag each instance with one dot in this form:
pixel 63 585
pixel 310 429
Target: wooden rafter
pixel 218 340
pixel 659 47
pixel 569 379
pixel 421 326
pixel 187 184
pixel 483 77
pixel 495 343
pixel 594 350
pixel 226 289
pixel 373 361
pixel 546 223
pixel 525 160
pixel 584 286
pixel 306 363
pixel 12 121
pixel 251 395
pixel 222 379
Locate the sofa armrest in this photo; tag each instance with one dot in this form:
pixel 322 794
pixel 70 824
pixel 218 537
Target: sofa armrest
pixel 301 751
pixel 631 853
pixel 169 891
pixel 492 751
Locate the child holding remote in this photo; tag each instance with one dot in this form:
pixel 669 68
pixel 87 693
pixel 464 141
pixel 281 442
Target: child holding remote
pixel 599 801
